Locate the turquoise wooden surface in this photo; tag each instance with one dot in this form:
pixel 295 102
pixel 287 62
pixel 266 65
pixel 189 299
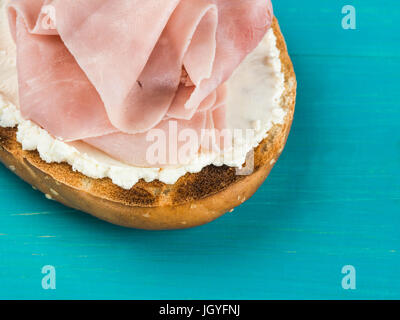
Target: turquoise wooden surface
pixel 333 198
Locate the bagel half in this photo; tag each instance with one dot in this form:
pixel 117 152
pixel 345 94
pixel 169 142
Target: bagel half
pixel 195 199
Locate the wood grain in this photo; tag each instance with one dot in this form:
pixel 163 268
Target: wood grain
pixel 333 198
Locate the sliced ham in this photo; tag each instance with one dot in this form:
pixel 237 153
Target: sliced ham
pixel 54 91
pixel 109 71
pixel 242 24
pixel 158 83
pixel 160 147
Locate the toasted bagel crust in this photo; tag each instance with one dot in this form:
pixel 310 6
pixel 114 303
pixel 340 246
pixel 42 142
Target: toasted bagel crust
pixel 195 199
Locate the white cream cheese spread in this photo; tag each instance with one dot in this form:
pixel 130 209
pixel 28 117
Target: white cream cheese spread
pixel 254 93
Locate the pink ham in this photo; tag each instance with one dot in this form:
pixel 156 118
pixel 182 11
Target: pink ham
pixel 242 24
pixel 111 70
pixel 54 91
pixel 156 149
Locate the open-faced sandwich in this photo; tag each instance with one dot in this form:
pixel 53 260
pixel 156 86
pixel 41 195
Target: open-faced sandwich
pixel 153 114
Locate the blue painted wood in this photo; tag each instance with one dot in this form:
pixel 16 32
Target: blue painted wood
pixel 333 199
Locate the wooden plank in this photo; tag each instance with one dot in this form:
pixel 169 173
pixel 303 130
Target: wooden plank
pixel 333 198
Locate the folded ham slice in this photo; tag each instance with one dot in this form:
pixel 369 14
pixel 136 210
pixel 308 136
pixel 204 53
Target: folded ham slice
pixel 109 71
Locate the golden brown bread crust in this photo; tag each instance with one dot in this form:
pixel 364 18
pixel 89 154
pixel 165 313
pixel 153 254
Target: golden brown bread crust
pixel 193 200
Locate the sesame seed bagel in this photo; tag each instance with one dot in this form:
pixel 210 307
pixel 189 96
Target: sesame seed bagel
pixel 195 199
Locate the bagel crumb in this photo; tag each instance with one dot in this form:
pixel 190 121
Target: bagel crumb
pixel 48 196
